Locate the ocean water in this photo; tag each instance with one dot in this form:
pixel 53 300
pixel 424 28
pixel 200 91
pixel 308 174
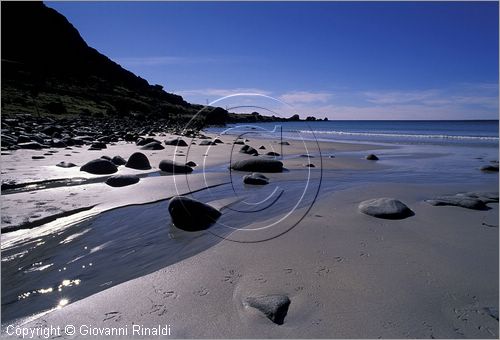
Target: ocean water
pixel 466 132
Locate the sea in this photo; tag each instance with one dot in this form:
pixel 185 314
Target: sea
pixel 458 132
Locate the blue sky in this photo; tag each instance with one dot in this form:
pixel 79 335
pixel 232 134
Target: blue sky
pixel 342 60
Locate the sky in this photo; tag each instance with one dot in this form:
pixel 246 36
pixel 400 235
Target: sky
pixel 341 60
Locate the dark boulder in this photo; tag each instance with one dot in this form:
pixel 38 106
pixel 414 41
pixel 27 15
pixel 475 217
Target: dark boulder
pixel 99 167
pixel 174 167
pixel 153 146
pixel 256 179
pixel 274 307
pixel 122 180
pixel 272 153
pixel 372 157
pixel 138 161
pixel 247 149
pixel 191 164
pixel 262 147
pixel 191 215
pixel 489 168
pixel 258 165
pixel 143 141
pixel 176 142
pixel 118 160
pixel 388 208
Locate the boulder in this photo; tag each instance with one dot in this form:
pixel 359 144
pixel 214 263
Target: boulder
pixel 272 153
pixel 191 164
pixel 99 167
pixel 218 141
pixel 65 165
pixel 174 167
pixel 485 196
pixel 122 180
pixel 256 179
pixel 284 143
pixel 258 165
pixel 262 147
pixel 310 165
pixel 247 149
pixel 191 215
pixel 274 307
pixel 153 146
pixel 37 157
pixel 489 168
pixel 388 208
pixel 372 157
pixel 118 160
pixel 176 142
pixel 138 161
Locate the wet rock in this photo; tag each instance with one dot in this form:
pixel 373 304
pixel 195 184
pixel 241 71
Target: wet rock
pixel 262 147
pixel 122 180
pixel 272 153
pixel 118 160
pixel 218 141
pixel 191 164
pixel 23 139
pixel 258 165
pixel 138 161
pixel 247 149
pixel 489 168
pixel 65 165
pixel 99 167
pixel 372 157
pixel 388 208
pixel 256 179
pixel 31 146
pixel 191 215
pixel 176 142
pixel 239 142
pixel 309 165
pixel 37 157
pixel 284 143
pixel 174 167
pixel 274 307
pixel 153 146
pixel 106 157
pixel 98 146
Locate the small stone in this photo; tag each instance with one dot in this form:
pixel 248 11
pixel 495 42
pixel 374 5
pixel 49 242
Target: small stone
pixel 274 307
pixel 372 157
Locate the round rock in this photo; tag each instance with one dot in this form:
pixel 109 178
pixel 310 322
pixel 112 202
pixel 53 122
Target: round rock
pixel 388 208
pixel 65 165
pixel 122 180
pixel 99 167
pixel 258 165
pixel 256 179
pixel 138 161
pixel 174 167
pixel 191 215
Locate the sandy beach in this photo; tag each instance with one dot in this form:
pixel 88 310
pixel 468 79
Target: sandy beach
pixel 114 256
